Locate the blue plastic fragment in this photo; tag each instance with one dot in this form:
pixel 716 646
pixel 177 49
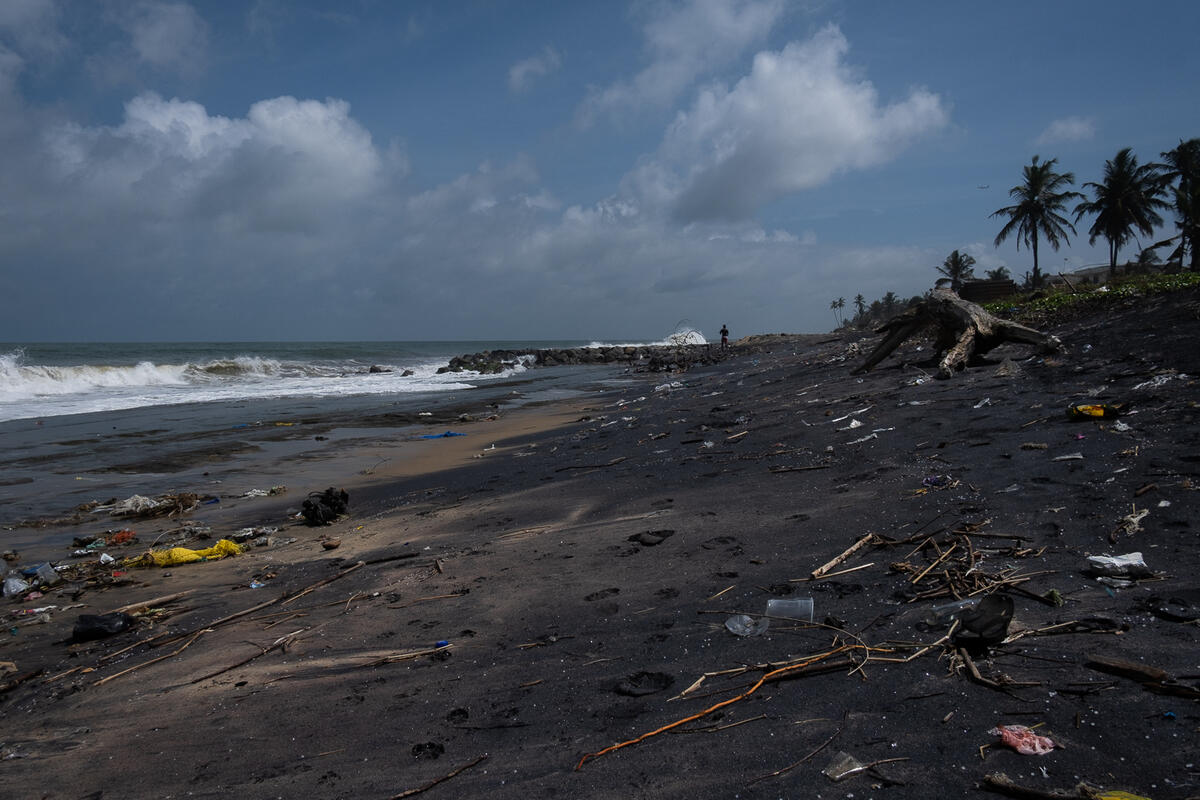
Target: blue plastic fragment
pixel 442 643
pixel 445 435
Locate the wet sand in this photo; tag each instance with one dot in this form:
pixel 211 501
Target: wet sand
pixel 516 612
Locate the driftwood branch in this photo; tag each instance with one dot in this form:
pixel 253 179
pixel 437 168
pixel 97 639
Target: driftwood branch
pixel 964 332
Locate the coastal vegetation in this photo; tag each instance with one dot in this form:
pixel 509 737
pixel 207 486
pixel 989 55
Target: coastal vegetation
pixel 1129 200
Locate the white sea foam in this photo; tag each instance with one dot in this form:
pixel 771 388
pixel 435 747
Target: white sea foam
pixel 36 391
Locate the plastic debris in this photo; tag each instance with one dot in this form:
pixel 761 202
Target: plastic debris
pixel 183 555
pixel 1023 740
pixel 1129 565
pixel 843 766
pixel 745 625
pixel 445 435
pixel 322 508
pixel 100 626
pixel 800 608
pixel 1070 457
pixel 14 586
pixel 1096 411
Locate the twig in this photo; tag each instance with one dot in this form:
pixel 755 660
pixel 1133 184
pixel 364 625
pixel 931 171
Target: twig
pixel 851 550
pixel 939 560
pixel 416 600
pixel 185 646
pixel 392 659
pixel 791 767
pixel 436 781
pixel 692 718
pixel 155 601
pixel 717 728
pixel 219 622
pixel 319 584
pixel 781 469
pixel 114 654
pixel 833 574
pixel 616 460
pixel 282 641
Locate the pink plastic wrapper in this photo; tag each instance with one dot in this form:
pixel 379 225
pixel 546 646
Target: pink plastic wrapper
pixel 1023 740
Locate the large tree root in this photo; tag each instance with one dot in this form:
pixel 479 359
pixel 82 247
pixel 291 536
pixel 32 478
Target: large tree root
pixel 964 332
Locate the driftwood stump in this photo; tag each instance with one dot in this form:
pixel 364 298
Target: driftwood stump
pixel 964 331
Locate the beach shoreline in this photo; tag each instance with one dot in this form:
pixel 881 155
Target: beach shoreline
pixel 494 625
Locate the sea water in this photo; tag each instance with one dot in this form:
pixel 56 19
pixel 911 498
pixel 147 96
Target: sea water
pixel 46 380
pixel 80 422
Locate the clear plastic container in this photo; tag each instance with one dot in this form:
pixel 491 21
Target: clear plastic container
pixel 800 608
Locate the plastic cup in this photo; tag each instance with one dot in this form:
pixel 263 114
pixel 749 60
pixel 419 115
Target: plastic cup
pixel 791 608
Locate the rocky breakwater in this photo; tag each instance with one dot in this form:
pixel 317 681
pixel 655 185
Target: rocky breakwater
pixel 641 358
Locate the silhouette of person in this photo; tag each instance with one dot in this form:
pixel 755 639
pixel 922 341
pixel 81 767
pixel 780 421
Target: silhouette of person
pixel 724 337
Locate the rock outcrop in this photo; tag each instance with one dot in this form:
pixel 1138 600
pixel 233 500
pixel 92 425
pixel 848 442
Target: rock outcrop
pixel 642 358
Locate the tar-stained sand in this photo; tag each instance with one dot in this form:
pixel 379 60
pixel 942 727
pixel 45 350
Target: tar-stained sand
pixel 529 561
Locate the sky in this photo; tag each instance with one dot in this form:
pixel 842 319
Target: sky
pixel 496 169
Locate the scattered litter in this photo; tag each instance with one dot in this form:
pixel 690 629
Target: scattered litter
pixel 246 534
pixel 1122 427
pixel 1023 740
pixel 862 410
pixel 99 626
pixel 866 438
pixel 274 490
pixel 843 766
pixel 799 608
pixel 140 506
pixel 1069 457
pixel 744 625
pixel 1129 524
pixel 853 424
pixel 1129 565
pixel 445 435
pixel 183 555
pixel 1034 446
pixel 1160 380
pixel 1096 410
pixel 987 401
pixel 322 508
pixel 1009 489
pixel 666 387
pixel 14 586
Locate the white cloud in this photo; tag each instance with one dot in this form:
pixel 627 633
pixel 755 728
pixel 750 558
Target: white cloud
pixel 797 119
pixel 523 73
pixel 284 165
pixel 31 26
pixel 168 35
pixel 1068 129
pixel 684 42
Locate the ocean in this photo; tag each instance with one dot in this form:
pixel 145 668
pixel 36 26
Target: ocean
pixel 38 381
pixel 83 422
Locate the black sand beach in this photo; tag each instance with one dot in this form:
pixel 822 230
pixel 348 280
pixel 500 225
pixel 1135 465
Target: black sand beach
pixel 493 620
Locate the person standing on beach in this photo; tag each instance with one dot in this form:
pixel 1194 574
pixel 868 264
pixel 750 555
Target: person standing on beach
pixel 724 337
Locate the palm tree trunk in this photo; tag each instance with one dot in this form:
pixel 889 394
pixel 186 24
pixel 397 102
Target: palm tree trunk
pixel 1036 278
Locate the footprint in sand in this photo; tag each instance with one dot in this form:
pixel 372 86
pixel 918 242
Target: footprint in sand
pixel 600 595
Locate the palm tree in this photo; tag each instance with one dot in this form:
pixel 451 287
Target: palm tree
pixel 833 306
pixel 958 267
pixel 1036 210
pixel 1127 199
pixel 998 274
pixel 889 302
pixel 860 307
pixel 1183 165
